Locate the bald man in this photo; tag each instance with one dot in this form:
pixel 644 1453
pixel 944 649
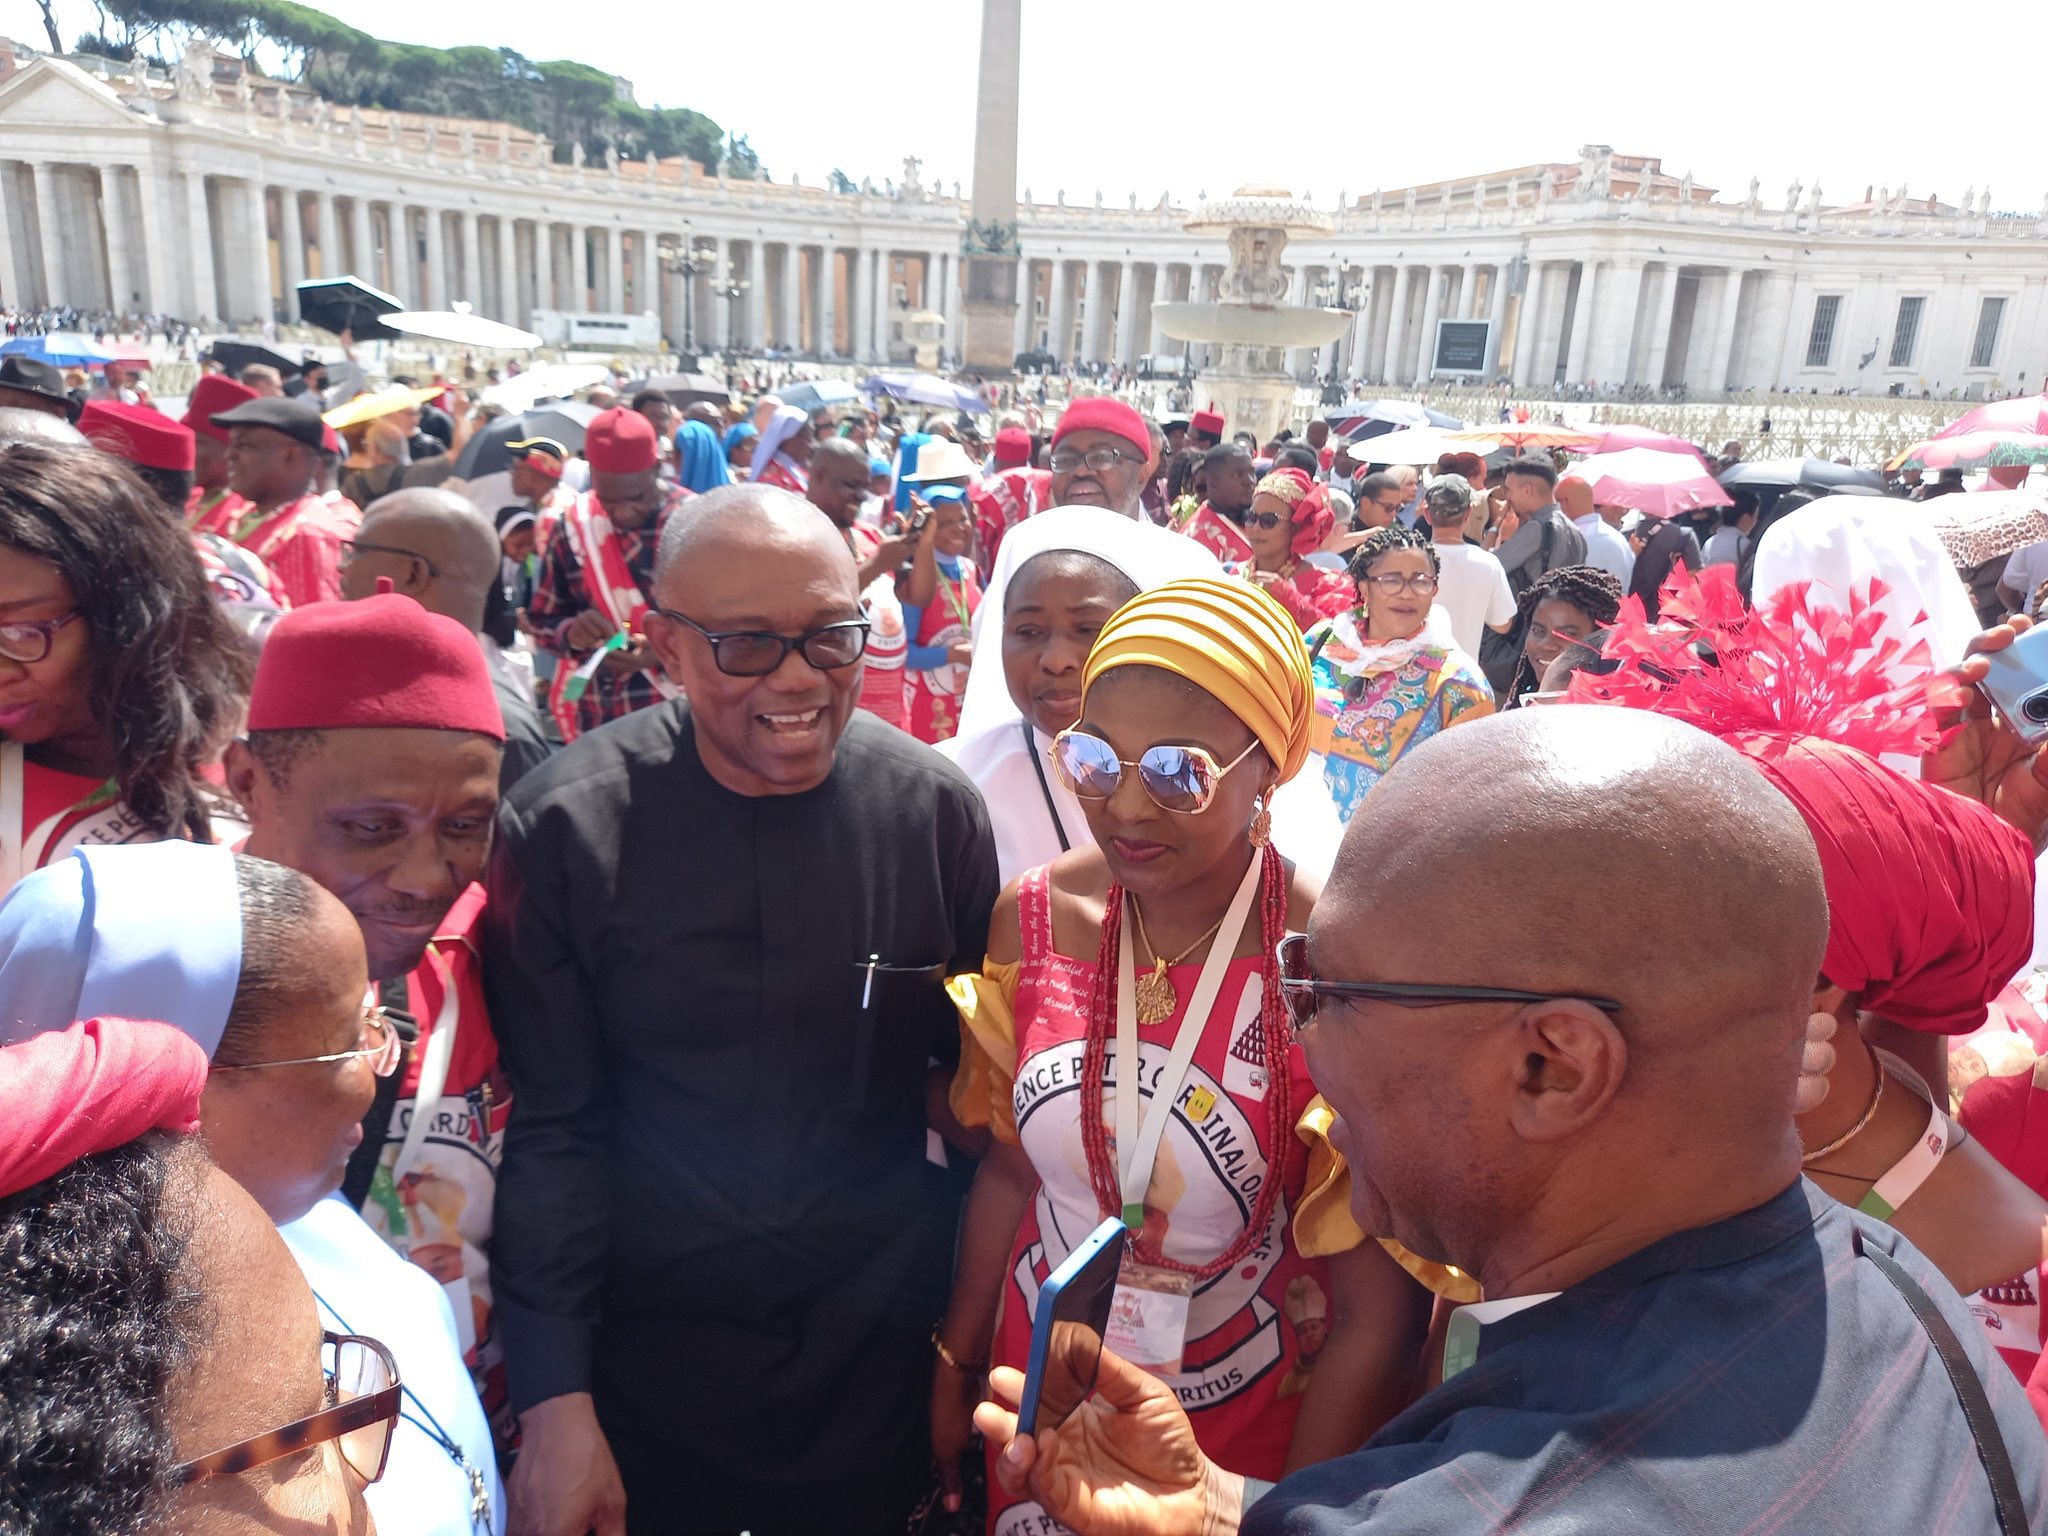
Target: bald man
pixel 1680 1333
pixel 1604 547
pixel 436 548
pixel 719 930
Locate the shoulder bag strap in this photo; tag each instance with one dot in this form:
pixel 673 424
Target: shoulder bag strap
pixel 2005 1487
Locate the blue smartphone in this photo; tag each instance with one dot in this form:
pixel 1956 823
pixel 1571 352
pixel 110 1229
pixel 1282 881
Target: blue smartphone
pixel 2017 683
pixel 1066 1337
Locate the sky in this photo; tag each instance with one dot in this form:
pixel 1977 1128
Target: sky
pixel 1200 96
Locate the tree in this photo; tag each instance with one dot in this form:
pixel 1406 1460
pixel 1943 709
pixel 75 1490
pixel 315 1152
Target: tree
pixel 740 159
pixel 48 8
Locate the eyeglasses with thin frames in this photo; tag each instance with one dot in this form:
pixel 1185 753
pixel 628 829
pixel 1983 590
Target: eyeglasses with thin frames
pixel 1388 584
pixel 364 1399
pixel 28 640
pixel 1177 778
pixel 350 548
pixel 1304 992
pixel 758 652
pixel 1098 459
pixel 381 1048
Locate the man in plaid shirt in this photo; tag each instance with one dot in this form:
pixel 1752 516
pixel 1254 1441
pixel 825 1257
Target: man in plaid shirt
pixel 1681 1333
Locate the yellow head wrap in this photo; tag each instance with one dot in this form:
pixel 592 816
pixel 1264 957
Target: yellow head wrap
pixel 1229 639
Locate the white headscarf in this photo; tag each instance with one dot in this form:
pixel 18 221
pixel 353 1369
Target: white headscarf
pixel 1840 543
pixel 787 421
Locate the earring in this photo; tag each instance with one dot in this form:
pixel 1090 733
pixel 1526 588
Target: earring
pixel 1262 824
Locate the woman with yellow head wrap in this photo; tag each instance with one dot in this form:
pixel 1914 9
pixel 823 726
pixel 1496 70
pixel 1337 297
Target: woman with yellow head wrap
pixel 1156 941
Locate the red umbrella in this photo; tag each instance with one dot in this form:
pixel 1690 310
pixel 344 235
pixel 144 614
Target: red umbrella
pixel 2026 413
pixel 1628 435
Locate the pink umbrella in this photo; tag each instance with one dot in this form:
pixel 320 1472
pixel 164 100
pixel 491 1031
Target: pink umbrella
pixel 2027 413
pixel 1982 449
pixel 1655 483
pixel 1626 435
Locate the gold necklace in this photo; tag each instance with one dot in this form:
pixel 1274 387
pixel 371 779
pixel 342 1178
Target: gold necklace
pixel 1156 998
pixel 1869 1114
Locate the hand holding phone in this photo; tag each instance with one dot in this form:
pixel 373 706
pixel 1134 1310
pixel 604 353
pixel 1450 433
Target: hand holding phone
pixel 2017 684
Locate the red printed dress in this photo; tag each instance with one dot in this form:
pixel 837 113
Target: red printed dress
pixel 1246 1359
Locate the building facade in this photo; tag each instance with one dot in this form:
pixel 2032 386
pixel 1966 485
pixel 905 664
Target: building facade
pixel 209 192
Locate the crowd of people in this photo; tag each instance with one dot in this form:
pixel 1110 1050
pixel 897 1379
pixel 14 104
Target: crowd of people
pixel 593 994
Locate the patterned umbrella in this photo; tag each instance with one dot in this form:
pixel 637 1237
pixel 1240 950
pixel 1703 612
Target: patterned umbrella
pixel 1983 449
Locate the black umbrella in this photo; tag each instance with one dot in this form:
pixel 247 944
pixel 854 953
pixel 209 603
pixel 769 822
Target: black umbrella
pixel 684 388
pixel 340 304
pixel 234 356
pixel 1816 474
pixel 486 453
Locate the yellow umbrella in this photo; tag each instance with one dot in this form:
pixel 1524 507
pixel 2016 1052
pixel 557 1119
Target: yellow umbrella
pixel 369 407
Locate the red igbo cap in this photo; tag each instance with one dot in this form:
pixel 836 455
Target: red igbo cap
pixel 1013 447
pixel 136 433
pixel 214 394
pixel 620 441
pixel 1099 413
pixel 381 662
pixel 330 440
pixel 1929 951
pixel 1210 422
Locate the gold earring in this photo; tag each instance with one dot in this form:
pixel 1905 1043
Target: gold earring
pixel 1262 824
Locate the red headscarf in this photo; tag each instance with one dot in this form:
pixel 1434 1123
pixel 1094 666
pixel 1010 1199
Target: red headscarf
pixel 70 1093
pixel 1308 506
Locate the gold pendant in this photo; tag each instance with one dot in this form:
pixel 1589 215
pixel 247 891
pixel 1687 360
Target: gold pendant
pixel 1156 999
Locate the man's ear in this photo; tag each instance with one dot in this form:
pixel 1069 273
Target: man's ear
pixel 244 773
pixel 1571 1060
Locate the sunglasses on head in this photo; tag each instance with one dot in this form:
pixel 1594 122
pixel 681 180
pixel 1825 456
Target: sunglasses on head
pixel 1179 779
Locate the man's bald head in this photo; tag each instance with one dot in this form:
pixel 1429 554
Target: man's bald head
pixel 1552 821
pixel 736 522
pixel 1574 496
pixel 445 531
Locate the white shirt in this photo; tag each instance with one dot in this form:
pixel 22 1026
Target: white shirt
pixel 1606 548
pixel 1021 814
pixel 1473 589
pixel 2024 573
pixel 1724 547
pixel 366 1288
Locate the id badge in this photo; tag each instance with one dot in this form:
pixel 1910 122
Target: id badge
pixel 1148 1317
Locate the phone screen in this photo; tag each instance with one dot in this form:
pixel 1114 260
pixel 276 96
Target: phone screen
pixel 1066 1338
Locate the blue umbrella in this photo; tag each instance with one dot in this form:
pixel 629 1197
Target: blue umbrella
pixel 816 394
pixel 60 349
pixel 924 389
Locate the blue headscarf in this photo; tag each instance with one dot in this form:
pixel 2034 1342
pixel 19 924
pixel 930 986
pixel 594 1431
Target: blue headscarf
pixel 142 931
pixel 700 461
pixel 906 464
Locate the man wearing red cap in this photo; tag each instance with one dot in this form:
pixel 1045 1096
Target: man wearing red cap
pixel 592 592
pixel 277 461
pixel 159 449
pixel 1101 456
pixel 1012 493
pixel 371 765
pixel 1205 429
pixel 214 508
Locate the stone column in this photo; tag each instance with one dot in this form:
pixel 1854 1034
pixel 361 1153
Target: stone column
pixel 952 307
pixel 291 250
pixel 1529 327
pixel 153 191
pixel 471 287
pixel 440 286
pixel 122 285
pixel 615 269
pixel 50 222
pixel 1497 312
pixel 506 289
pixel 363 256
pixel 1361 336
pixel 828 301
pixel 260 293
pixel 1614 343
pixel 1400 349
pixel 1433 309
pixel 1657 345
pixel 1720 358
pixel 1059 313
pixel 878 306
pixel 1023 333
pixel 1126 314
pixel 327 227
pixel 789 312
pixel 1584 313
pixel 544 265
pixel 203 294
pixel 757 295
pixel 12 290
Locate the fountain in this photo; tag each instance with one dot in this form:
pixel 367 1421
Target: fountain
pixel 1251 320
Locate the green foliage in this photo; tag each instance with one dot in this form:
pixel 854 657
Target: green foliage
pixel 569 102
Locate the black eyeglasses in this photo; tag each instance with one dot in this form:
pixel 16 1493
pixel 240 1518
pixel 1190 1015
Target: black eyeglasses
pixel 1304 992
pixel 28 640
pixel 757 652
pixel 1265 519
pixel 1097 459
pixel 350 548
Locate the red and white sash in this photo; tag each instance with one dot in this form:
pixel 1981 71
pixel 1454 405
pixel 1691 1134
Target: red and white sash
pixel 612 591
pixel 99 817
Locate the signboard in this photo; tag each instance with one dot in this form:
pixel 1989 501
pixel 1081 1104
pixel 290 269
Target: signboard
pixel 1461 346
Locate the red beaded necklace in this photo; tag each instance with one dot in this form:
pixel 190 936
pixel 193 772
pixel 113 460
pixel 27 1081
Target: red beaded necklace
pixel 1102 1170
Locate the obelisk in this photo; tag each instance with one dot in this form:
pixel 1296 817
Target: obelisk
pixel 990 243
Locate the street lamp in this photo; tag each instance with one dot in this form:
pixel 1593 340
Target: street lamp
pixel 690 263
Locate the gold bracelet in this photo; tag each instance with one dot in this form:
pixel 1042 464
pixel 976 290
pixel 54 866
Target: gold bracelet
pixel 953 1361
pixel 1869 1114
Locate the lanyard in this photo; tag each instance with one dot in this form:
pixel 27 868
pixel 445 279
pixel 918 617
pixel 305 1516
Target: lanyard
pixel 479 1491
pixel 1911 1171
pixel 426 1095
pixel 1052 809
pixel 1461 1336
pixel 1137 1145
